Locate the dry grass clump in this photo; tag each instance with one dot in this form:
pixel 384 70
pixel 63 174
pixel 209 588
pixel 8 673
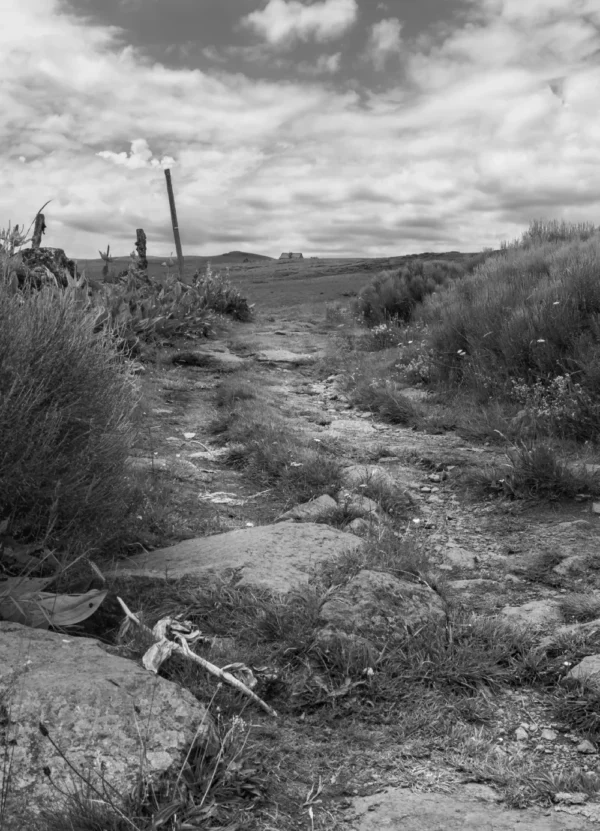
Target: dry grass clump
pixel 67 402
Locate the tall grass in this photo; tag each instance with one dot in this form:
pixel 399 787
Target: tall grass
pixel 66 405
pixel 529 315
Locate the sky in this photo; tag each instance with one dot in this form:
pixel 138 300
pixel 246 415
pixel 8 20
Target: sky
pixel 337 128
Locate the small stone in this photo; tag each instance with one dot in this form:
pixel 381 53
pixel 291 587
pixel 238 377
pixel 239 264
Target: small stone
pixel 586 747
pixel 571 798
pixel 596 507
pixel 549 735
pixel 521 735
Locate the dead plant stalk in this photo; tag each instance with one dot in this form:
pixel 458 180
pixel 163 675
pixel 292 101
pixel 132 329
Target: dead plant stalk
pixel 183 649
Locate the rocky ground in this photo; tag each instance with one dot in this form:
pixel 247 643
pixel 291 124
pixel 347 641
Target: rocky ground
pixel 492 556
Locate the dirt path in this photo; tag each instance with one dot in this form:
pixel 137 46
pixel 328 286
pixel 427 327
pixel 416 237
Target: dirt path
pixel 484 548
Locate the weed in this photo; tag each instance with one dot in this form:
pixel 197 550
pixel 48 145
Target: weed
pixel 210 788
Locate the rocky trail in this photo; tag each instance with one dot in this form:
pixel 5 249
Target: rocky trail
pixel 486 551
pixel 483 548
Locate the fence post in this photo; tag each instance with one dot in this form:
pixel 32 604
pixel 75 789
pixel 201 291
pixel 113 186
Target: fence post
pixel 175 225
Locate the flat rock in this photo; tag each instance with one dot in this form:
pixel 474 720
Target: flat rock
pixel 377 601
pixel 357 504
pixel 181 469
pixel 285 356
pixel 212 359
pixel 279 557
pixel 398 809
pixel 96 706
pixel 348 426
pixel 538 613
pixel 310 511
pixel 455 555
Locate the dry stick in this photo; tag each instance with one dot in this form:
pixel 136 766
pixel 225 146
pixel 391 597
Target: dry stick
pixel 183 649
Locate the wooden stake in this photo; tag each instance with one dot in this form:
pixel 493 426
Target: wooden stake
pixel 39 229
pixel 175 225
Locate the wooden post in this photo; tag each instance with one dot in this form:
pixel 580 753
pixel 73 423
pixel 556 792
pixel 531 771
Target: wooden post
pixel 175 225
pixel 39 229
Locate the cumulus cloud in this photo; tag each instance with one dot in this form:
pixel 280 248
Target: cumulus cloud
pixel 384 41
pixel 282 21
pixel 140 156
pixel 488 125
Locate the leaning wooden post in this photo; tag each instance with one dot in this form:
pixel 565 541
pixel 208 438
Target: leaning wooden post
pixel 39 229
pixel 175 225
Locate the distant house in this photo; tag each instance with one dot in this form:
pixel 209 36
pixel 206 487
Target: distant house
pixel 291 256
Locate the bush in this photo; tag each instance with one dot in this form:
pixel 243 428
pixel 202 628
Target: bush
pixel 66 402
pixel 393 295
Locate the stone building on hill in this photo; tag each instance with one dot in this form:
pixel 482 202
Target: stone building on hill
pixel 291 256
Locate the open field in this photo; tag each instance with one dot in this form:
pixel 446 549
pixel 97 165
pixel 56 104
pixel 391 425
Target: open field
pixel 279 284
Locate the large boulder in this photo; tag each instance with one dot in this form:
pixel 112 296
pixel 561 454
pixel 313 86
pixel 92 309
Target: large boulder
pixel 102 712
pixel 278 557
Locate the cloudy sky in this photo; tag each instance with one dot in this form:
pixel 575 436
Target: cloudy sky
pixel 331 127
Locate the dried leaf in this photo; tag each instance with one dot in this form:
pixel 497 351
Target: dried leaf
pixel 157 654
pixel 40 609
